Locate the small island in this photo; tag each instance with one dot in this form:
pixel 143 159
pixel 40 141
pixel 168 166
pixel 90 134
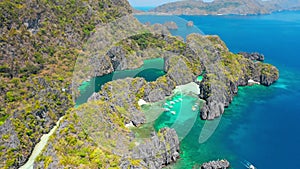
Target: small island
pixel 190 24
pixel 171 25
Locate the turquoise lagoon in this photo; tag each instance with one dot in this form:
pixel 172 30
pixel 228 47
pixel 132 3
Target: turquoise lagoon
pixel 150 71
pixel 261 125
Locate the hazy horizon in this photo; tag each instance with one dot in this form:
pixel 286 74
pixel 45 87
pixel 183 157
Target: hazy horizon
pixel 149 3
pixel 153 3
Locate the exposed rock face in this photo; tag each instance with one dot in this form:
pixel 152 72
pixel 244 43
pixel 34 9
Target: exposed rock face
pixel 95 96
pixel 118 59
pixel 224 73
pixel 269 74
pixel 101 65
pixel 100 134
pixel 171 25
pixel 18 135
pixel 156 91
pixel 220 164
pixel 178 70
pixel 123 93
pixel 161 150
pixel 218 89
pixel 51 35
pixel 190 24
pixel 253 56
pixel 215 95
pixel 9 138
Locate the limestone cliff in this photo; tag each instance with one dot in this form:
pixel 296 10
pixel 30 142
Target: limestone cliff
pixel 95 135
pixel 39 43
pixel 224 72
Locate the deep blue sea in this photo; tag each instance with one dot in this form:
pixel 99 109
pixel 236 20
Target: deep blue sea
pixel 262 125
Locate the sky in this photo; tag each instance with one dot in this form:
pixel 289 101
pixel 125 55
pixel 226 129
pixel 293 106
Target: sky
pixel 152 3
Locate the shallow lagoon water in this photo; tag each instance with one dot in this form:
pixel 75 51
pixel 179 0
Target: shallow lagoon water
pixel 150 71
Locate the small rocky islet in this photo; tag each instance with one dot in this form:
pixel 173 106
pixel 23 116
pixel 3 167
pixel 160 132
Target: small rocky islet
pixel 171 25
pixel 96 134
pixel 219 164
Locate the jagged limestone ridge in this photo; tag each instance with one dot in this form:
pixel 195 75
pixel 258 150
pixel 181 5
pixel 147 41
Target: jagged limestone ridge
pixel 39 43
pixel 224 72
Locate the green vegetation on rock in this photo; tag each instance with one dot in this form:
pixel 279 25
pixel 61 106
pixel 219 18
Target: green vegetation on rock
pixel 237 7
pixel 40 41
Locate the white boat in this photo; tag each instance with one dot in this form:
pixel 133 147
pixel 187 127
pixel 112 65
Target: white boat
pixel 248 165
pixel 173 112
pixel 172 102
pixel 166 104
pixel 166 109
pixel 171 107
pixel 180 99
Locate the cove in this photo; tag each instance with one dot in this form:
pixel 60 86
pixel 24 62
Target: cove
pixel 150 71
pixel 218 146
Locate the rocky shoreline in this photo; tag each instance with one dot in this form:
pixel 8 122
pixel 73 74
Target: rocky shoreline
pixel 223 73
pixel 227 72
pixel 181 68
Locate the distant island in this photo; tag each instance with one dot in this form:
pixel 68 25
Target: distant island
pixel 225 7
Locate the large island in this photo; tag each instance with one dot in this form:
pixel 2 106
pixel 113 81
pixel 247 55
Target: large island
pixel 224 7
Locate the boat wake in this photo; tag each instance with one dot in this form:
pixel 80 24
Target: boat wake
pixel 248 165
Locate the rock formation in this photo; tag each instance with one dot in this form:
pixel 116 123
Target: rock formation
pixel 226 71
pixel 190 24
pixel 171 25
pixel 99 125
pixel 160 151
pixel 253 56
pixel 219 164
pixel 39 44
